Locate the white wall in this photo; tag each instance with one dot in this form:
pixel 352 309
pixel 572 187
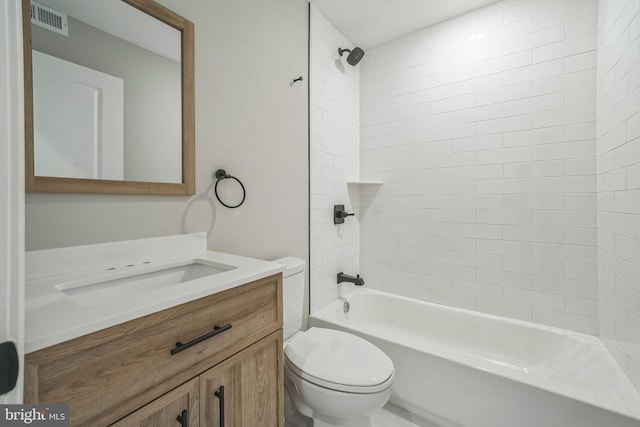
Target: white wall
pixel 249 120
pixel 483 129
pixel 618 158
pixel 335 138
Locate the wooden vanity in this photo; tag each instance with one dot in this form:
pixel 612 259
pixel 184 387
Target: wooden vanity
pixel 182 366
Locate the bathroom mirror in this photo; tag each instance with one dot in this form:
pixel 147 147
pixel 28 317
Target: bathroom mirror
pixel 109 97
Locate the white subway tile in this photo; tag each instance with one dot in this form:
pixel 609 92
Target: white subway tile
pixel 628 201
pixel 533 233
pixel 567 150
pixel 504 93
pixel 485 112
pixel 580 271
pixel 504 308
pixel 534 169
pixel 501 186
pixel 480 231
pixel 581 26
pixel 477 172
pixel 507 124
pixel 504 278
pixel 564 286
pixel 452 243
pixel 504 63
pixel 504 155
pixel 451 132
pixel 564 82
pixel 561 319
pixel 567 184
pixel 571 11
pixel 534 104
pixel 580 62
pixel 583 306
pixel 453 103
pixel 580 131
pixel 478 143
pixel 486 147
pixel 562 218
pixel 570 46
pixel 534 298
pixel 503 216
pixel 452 271
pixel 534 39
pixel 533 266
pixel 534 136
pixel 486 201
pixel 533 201
pixel 460 301
pixel 580 236
pixel 564 116
pixel 462 287
pixel 530 8
pixel 540 70
pixel 453 215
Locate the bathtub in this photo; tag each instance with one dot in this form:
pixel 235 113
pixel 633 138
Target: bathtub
pixel 456 367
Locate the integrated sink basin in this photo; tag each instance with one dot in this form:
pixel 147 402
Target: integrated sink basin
pixel 78 290
pixel 138 278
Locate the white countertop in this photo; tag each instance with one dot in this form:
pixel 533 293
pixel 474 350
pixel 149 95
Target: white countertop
pixel 53 317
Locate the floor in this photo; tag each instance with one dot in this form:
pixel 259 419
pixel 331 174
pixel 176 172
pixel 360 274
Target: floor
pixel 392 416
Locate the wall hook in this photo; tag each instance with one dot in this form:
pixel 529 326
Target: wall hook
pixel 299 79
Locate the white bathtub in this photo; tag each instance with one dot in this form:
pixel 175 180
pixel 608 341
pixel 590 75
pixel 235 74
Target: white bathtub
pixel 462 368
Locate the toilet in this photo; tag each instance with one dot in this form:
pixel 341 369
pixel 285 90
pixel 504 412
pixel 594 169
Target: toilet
pixel 332 378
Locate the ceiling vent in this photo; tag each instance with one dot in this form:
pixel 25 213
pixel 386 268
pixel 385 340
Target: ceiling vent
pixel 46 17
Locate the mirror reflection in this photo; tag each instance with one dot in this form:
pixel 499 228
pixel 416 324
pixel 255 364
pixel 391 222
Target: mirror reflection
pixel 107 100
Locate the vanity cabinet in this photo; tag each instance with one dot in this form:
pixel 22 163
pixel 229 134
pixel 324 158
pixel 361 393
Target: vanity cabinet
pixel 143 367
pixel 179 407
pixel 244 390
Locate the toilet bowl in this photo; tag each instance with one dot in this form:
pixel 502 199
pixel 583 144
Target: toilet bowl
pixel 336 378
pixel 332 378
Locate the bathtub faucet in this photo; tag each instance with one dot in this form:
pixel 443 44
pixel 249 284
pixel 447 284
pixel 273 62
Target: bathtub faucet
pixel 358 281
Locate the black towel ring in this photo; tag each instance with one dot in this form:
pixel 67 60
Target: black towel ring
pixel 221 175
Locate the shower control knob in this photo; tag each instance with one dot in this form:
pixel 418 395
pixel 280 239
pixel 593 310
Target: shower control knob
pixel 339 214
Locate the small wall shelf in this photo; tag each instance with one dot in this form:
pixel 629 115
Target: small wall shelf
pixel 365 182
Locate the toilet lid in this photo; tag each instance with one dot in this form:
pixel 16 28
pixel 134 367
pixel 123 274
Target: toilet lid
pixel 338 360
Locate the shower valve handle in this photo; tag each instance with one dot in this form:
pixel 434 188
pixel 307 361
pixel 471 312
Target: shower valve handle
pixel 339 214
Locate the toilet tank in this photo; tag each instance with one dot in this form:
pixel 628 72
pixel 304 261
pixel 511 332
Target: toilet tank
pixel 292 294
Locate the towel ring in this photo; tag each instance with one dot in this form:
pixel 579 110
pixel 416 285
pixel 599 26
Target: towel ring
pixel 221 175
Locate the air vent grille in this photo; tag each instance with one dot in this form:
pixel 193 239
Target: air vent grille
pixel 49 18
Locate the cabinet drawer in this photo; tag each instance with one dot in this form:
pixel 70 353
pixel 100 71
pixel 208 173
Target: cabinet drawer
pixel 110 373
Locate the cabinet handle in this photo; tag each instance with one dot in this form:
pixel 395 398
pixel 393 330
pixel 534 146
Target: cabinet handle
pixel 217 330
pixel 183 418
pixel 220 395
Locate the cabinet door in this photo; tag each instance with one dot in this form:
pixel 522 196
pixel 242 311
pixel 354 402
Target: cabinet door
pixel 245 390
pixel 178 408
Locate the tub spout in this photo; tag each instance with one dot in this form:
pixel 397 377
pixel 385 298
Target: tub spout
pixel 358 281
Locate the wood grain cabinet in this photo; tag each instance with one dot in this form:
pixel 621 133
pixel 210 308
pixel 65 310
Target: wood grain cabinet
pixel 179 407
pixel 244 390
pixel 148 371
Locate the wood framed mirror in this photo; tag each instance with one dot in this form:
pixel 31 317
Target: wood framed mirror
pixel 109 98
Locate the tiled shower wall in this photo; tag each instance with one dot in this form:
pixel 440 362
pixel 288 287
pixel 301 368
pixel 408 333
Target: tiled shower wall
pixel 335 140
pixel 483 131
pixel 618 158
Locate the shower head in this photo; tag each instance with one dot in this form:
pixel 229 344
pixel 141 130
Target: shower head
pixel 355 55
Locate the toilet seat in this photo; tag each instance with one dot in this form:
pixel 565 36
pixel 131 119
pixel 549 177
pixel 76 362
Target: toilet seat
pixel 339 361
